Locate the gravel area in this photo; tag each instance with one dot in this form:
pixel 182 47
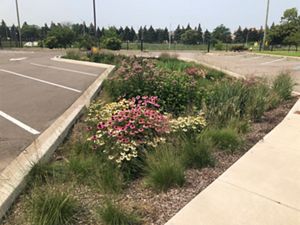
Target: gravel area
pixel 154 208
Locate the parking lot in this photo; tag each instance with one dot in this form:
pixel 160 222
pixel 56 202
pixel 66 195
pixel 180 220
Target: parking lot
pixel 248 64
pixel 34 92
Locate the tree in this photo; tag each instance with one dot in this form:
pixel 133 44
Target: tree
pixel 177 33
pixel 60 37
pixel 4 31
pixel 200 33
pixel 190 37
pixel 207 37
pixel 239 36
pixel 111 40
pixel 30 32
pixel 293 39
pixel 222 34
pixel 151 36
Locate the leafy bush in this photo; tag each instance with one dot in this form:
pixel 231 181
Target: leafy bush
pixel 197 153
pixel 52 207
pixel 225 139
pixel 177 91
pixel 74 54
pixel 164 169
pixel 283 86
pixel 238 48
pixel 112 43
pixel 219 46
pixel 113 214
pixel 107 58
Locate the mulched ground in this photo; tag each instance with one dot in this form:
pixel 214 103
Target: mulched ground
pixel 158 208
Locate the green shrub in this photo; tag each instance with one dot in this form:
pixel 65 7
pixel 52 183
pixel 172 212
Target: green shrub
pixel 112 43
pixel 164 169
pixel 74 54
pixel 226 139
pixel 197 153
pixel 219 46
pixel 52 207
pixel 238 48
pixel 107 58
pixel 283 86
pixel 214 74
pixel 112 214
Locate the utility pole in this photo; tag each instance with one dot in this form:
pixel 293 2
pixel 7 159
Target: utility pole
pixel 95 24
pixel 266 25
pixel 19 24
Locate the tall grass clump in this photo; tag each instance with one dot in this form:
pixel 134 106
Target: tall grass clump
pixel 42 173
pixel 96 172
pixel 225 101
pixel 164 168
pixel 52 207
pixel 283 86
pixel 113 214
pixel 225 139
pixel 197 153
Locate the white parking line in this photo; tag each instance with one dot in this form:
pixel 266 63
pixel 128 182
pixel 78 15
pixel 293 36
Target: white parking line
pixel 273 61
pixel 65 69
pixel 18 59
pixel 248 59
pixel 39 80
pixel 19 123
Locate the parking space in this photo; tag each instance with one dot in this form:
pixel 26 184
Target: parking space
pixel 34 92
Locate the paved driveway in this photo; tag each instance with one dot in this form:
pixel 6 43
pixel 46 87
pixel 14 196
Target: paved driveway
pixel 34 92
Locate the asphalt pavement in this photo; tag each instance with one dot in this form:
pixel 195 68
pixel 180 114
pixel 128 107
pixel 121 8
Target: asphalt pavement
pixel 34 92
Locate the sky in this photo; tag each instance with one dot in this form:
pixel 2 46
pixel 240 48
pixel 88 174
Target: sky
pixel 159 13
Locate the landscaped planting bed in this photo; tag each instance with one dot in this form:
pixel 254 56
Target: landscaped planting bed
pixel 159 133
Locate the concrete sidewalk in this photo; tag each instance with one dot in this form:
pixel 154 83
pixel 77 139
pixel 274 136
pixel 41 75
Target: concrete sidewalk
pixel 262 188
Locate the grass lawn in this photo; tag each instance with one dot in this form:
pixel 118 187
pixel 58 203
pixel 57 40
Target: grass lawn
pixel 158 134
pixel 283 53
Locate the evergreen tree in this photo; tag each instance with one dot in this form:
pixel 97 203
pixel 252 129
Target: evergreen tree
pixel 207 37
pixel 200 34
pixel 239 36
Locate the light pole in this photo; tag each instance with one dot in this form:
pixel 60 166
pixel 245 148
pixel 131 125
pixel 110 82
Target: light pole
pixel 19 25
pixel 95 25
pixel 266 25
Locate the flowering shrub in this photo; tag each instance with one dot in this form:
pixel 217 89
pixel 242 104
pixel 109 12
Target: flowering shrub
pixel 123 129
pixel 189 124
pixel 194 71
pixel 176 90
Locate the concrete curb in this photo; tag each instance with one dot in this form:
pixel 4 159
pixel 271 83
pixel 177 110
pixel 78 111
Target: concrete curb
pixel 13 177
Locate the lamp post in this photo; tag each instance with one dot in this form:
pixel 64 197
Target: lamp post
pixel 95 25
pixel 266 25
pixel 19 24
